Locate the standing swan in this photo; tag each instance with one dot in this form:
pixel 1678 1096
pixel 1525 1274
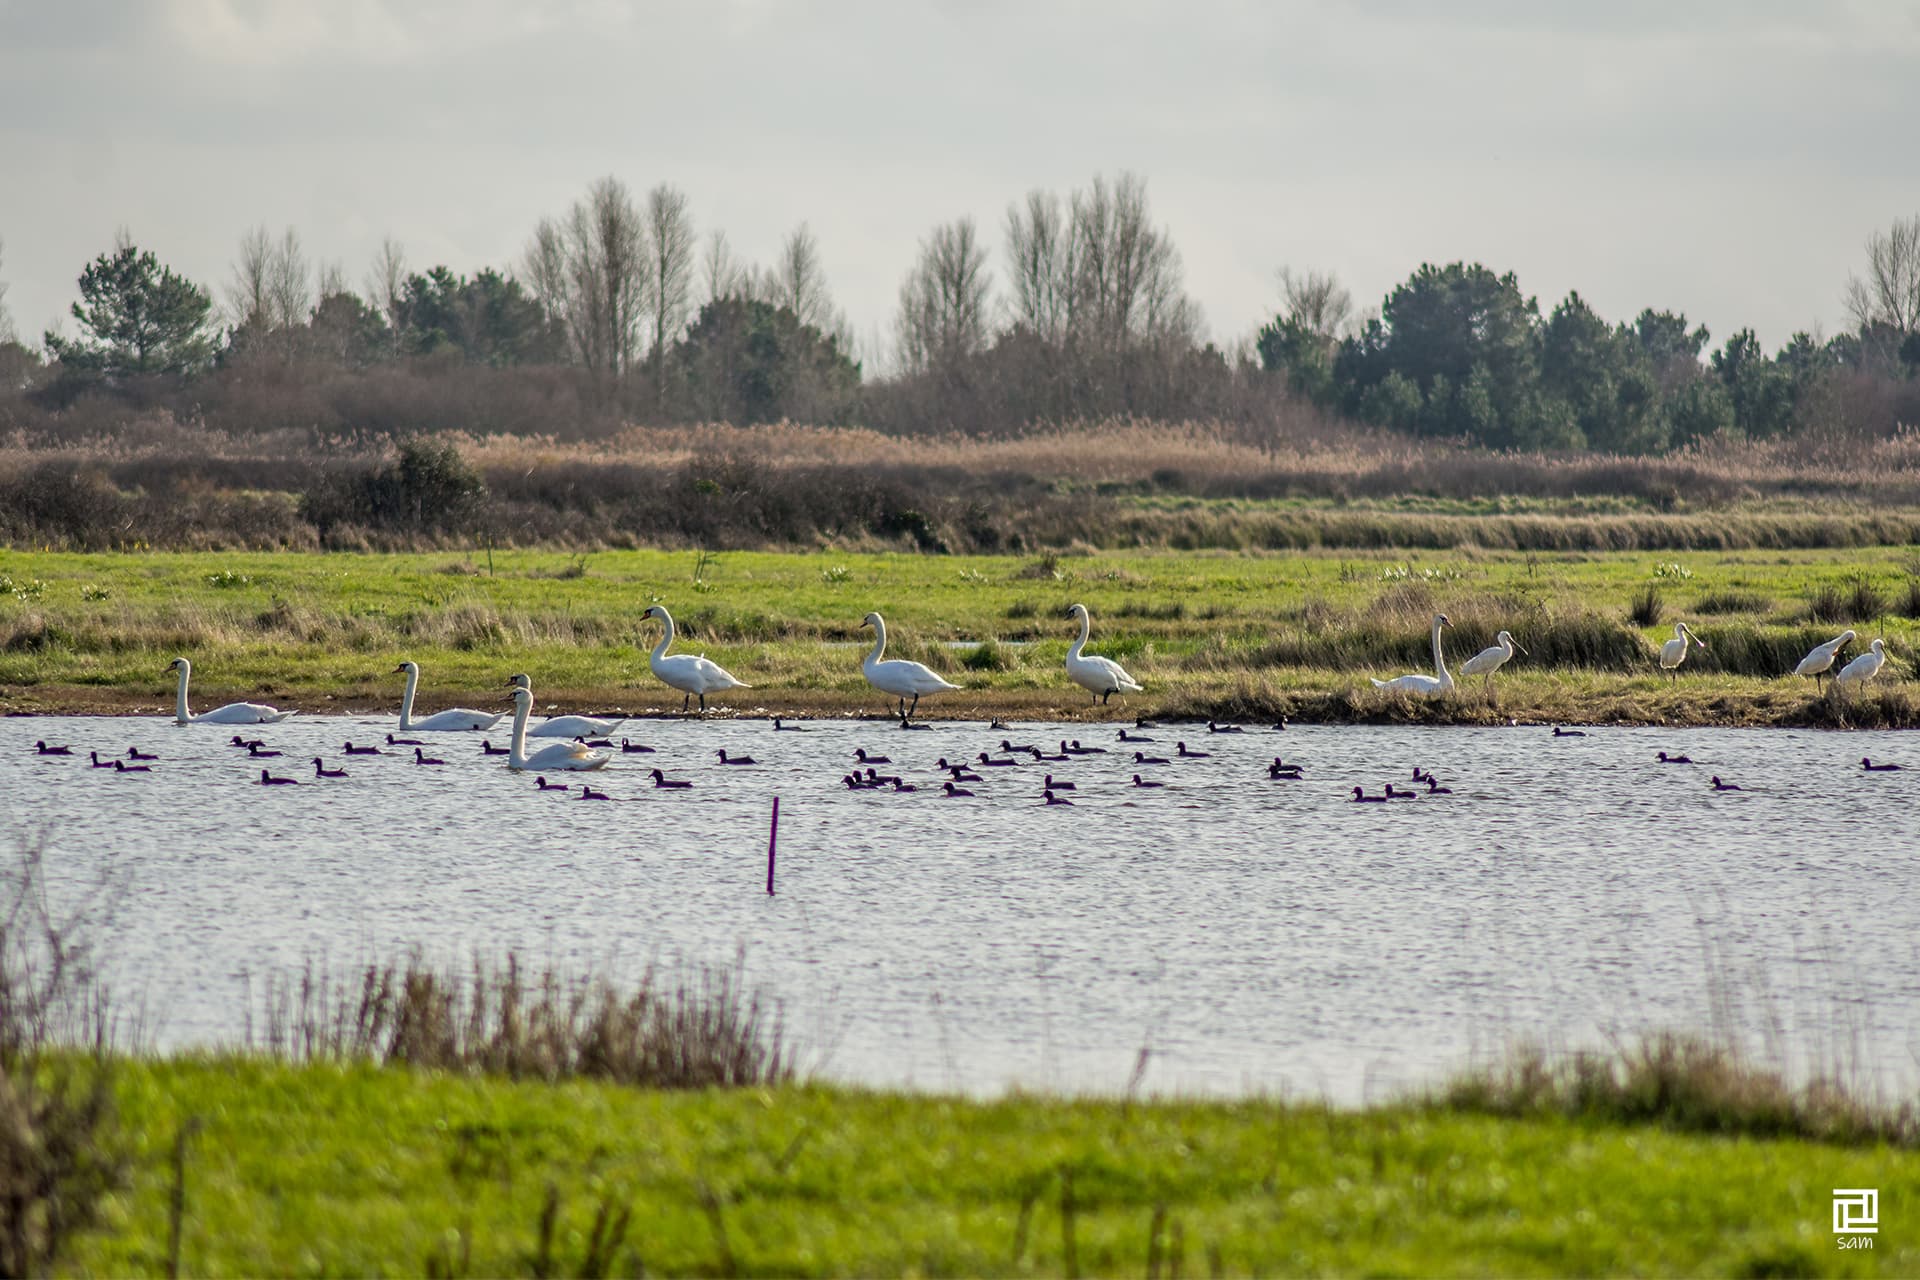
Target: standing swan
pixel 1863 668
pixel 1820 659
pixel 1490 660
pixel 556 756
pixel 1674 651
pixel 1101 677
pixel 900 678
pixel 694 676
pixel 562 726
pixel 1438 683
pixel 439 721
pixel 232 713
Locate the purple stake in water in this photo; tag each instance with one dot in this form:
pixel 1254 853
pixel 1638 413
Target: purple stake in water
pixel 773 837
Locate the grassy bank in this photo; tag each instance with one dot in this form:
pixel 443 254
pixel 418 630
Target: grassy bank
pixel 1237 634
pixel 328 1169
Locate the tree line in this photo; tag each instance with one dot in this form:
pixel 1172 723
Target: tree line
pixel 619 300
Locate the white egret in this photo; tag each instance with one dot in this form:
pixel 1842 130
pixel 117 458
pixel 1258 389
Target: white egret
pixel 440 721
pixel 563 726
pixel 554 756
pixel 693 676
pixel 896 676
pixel 1101 677
pixel 232 713
pixel 1438 683
pixel 1674 651
pixel 1863 668
pixel 1820 659
pixel 1490 660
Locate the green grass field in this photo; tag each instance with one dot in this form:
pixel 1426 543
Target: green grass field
pixel 357 1170
pixel 1232 633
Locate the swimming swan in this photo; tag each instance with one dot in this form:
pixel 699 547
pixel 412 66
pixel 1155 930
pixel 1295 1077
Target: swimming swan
pixel 896 676
pixel 440 721
pixel 562 726
pixel 1437 683
pixel 1101 677
pixel 693 676
pixel 556 756
pixel 232 713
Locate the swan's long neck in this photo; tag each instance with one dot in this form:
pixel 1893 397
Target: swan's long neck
pixel 517 748
pixel 666 635
pixel 406 699
pixel 1086 630
pixel 879 640
pixel 1439 660
pixel 180 713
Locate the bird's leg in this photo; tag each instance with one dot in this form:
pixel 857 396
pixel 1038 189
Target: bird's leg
pixel 912 709
pixel 685 702
pixel 703 704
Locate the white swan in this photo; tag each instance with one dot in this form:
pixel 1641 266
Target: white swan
pixel 439 721
pixel 1820 658
pixel 694 676
pixel 564 726
pixel 1863 668
pixel 557 755
pixel 232 713
pixel 1438 683
pixel 900 678
pixel 1101 677
pixel 1674 651
pixel 1491 659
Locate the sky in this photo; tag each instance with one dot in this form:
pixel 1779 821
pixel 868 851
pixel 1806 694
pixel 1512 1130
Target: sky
pixel 1726 159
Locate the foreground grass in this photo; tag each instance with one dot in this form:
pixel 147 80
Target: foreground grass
pixel 1228 633
pixel 329 1169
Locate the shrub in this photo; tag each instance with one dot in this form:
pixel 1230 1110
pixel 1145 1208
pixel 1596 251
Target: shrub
pixel 1858 601
pixel 1646 608
pixel 1727 600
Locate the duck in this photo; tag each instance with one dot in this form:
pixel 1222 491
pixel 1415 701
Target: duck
pixel 488 749
pixel 1214 727
pixel 98 763
pixel 1047 797
pixel 1280 769
pixel 257 752
pixel 268 780
pixel 250 744
pixel 900 786
pixel 135 753
pixel 595 743
pixel 954 791
pixel 999 726
pixel 121 766
pixel 1051 785
pixel 1435 789
pixel 1394 793
pixel 588 793
pixel 661 780
pixel 1419 774
pixel 1141 722
pixel 1725 786
pixel 320 770
pixel 727 759
pixel 1559 732
pixel 1051 757
pixel 41 748
pixel 994 763
pixel 862 756
pixel 778 727
pixel 877 779
pixel 1140 757
pixel 1138 781
pixel 1664 758
pixel 1079 750
pixel 404 742
pixel 541 784
pixel 1010 748
pixel 1280 725
pixel 1185 754
pixel 1360 796
pixel 352 750
pixel 421 757
pixel 1135 737
pixel 1867 764
pixel 629 747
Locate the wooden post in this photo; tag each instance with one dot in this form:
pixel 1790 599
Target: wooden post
pixel 773 838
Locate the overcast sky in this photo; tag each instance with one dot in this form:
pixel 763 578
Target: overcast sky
pixel 1723 159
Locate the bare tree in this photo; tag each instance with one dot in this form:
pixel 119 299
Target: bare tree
pixel 332 280
pixel 288 293
pixel 1316 301
pixel 1128 284
pixel 6 320
pixel 670 253
pixel 589 270
pixel 1890 295
pixel 1040 265
pixel 247 289
pixel 944 300
pixel 800 283
pixel 268 294
pixel 387 287
pixel 720 273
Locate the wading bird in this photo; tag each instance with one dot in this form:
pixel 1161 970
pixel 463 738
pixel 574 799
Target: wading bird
pixel 1674 651
pixel 1819 659
pixel 1863 668
pixel 1490 660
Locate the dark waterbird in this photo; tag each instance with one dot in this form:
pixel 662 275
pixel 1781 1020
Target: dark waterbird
pixel 1138 781
pixel 1725 786
pixel 1140 757
pixel 1059 786
pixel 860 755
pixel 121 766
pixel 1394 793
pixel 251 744
pixel 1216 727
pixel 1047 797
pixel 595 743
pixel 1360 796
pixel 1664 758
pixel 588 793
pixel 777 728
pixel 727 759
pixel 1435 789
pixel 1135 737
pixel 1079 750
pixel 351 750
pixel 1185 754
pixel 41 748
pixel 135 753
pixel 421 757
pixel 1867 764
pixel 1559 732
pixel 268 780
pixel 541 784
pixel 404 742
pixel 629 747
pixel 952 790
pixel 98 763
pixel 993 763
pixel 257 752
pixel 671 784
pixel 488 749
pixel 320 770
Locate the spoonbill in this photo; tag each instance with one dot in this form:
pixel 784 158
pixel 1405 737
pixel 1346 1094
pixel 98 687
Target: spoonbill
pixel 1489 660
pixel 1101 677
pixel 1820 658
pixel 1863 668
pixel 1433 685
pixel 897 676
pixel 696 677
pixel 1674 651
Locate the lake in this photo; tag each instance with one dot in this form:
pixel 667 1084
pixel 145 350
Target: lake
pixel 1251 935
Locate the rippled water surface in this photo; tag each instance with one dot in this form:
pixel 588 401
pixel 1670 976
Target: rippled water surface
pixel 1250 934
